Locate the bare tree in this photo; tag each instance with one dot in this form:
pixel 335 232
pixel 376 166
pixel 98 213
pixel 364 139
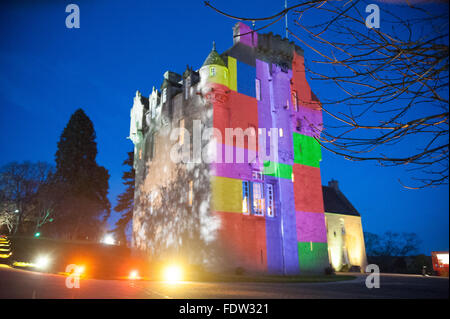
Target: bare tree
pixel 19 186
pixel 391 244
pixel 8 216
pixel 390 102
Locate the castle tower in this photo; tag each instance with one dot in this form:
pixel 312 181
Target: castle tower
pixel 264 213
pixel 214 77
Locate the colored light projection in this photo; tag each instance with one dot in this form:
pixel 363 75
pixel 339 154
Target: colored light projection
pixel 265 210
pixel 292 237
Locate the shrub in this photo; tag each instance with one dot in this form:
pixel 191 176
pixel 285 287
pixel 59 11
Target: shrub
pixel 239 271
pixel 329 270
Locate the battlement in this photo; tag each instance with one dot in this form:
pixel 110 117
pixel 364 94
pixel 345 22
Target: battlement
pixel 249 45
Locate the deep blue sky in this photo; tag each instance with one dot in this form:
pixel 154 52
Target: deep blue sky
pixel 48 71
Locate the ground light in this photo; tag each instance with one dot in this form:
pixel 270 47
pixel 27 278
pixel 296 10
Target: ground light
pixel 134 275
pixel 108 239
pixel 173 274
pixel 37 234
pixel 42 262
pixel 79 270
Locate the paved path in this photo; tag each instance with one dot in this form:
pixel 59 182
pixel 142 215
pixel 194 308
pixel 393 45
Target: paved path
pixel 16 283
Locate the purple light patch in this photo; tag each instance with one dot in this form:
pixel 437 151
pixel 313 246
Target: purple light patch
pixel 307 121
pixel 235 169
pixel 311 227
pixel 250 39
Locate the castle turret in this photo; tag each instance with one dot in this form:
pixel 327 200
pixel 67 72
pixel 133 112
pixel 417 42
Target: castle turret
pixel 214 77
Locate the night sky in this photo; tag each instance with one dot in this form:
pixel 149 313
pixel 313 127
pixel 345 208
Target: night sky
pixel 48 71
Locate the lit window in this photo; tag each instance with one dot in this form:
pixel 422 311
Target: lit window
pixel 245 197
pixel 270 201
pixel 140 154
pixel 191 193
pixel 212 71
pixel 295 100
pixel 258 89
pixel 280 130
pixel 181 140
pixel 258 204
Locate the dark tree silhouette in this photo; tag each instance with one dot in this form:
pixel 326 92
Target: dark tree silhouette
pixel 391 244
pixel 83 184
pixel 125 201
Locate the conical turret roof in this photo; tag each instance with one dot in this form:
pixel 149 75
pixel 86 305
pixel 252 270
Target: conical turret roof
pixel 214 58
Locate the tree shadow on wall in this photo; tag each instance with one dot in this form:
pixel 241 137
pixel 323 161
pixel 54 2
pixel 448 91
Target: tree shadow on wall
pixel 178 221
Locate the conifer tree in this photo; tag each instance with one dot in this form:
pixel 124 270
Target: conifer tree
pixel 125 200
pixel 83 205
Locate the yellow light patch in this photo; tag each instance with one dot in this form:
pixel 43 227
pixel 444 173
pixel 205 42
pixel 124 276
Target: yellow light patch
pixel 232 69
pixel 23 264
pixel 218 75
pixel 227 194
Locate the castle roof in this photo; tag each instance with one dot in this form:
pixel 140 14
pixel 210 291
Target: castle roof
pixel 213 58
pixel 335 202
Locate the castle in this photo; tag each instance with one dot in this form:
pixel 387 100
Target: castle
pixel 228 167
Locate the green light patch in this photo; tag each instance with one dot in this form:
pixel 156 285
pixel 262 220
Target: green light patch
pixel 306 150
pixel 313 257
pixel 279 170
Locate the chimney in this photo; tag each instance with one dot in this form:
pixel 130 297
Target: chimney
pixel 334 184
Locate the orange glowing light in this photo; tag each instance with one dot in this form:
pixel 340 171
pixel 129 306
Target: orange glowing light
pixel 134 275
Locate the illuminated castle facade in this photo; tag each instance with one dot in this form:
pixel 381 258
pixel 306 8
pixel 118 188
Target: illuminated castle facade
pixel 198 200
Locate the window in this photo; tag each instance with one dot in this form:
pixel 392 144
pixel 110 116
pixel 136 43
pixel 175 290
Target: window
pixel 149 147
pixel 140 153
pixel 258 206
pixel 181 137
pixel 186 88
pixel 257 175
pixel 212 71
pixel 258 89
pixel 295 100
pixel 280 130
pixel 191 193
pixel 254 197
pixel 164 98
pixel 270 200
pixel 299 125
pixel 152 108
pixel 245 197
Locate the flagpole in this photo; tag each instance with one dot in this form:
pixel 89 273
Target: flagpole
pixel 286 19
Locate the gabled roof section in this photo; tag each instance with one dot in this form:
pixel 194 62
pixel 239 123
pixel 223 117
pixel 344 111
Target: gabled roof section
pixel 336 202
